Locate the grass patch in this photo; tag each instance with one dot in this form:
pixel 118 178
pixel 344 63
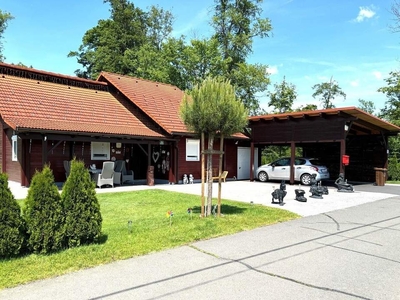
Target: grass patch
pixel 393 181
pixel 150 231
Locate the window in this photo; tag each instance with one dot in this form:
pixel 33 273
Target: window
pixel 100 151
pixel 14 148
pixel 192 150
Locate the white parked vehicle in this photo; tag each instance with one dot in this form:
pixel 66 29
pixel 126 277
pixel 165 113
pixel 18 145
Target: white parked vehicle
pixel 304 168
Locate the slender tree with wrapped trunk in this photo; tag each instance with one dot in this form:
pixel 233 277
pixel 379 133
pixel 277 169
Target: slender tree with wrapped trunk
pixel 212 109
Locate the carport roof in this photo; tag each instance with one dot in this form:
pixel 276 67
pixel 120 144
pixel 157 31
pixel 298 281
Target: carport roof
pixel 361 117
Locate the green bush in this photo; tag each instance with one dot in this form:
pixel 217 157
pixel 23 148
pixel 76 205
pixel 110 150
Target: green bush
pixel 394 169
pixel 43 213
pixel 82 210
pixel 11 223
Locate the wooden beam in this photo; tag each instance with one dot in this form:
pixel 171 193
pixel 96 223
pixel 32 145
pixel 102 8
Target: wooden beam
pixel 292 159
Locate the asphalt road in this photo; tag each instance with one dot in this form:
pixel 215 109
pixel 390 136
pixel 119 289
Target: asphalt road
pixel 348 253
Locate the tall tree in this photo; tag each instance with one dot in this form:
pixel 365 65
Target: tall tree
pixel 129 28
pixel 4 18
pixel 327 91
pixel 212 109
pixel 236 24
pixel 366 105
pixel 283 97
pixel 391 111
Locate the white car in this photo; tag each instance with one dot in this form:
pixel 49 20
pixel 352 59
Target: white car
pixel 304 168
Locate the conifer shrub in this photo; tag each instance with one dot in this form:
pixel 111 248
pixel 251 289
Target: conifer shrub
pixel 43 213
pixel 83 219
pixel 12 235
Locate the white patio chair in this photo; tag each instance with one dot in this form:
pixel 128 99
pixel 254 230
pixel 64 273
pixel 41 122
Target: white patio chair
pixel 107 174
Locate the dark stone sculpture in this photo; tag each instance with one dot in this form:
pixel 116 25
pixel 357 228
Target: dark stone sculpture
pixel 280 193
pixel 300 195
pixel 342 185
pixel 315 189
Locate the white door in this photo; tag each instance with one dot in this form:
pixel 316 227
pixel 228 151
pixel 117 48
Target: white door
pixel 243 162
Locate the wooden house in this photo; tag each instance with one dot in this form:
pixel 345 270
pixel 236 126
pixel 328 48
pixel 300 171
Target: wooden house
pixel 49 118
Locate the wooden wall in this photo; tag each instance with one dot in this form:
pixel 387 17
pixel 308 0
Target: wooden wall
pixel 305 130
pixel 194 167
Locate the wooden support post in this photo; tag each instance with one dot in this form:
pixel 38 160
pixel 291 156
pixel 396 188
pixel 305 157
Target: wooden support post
pixel 252 161
pixel 292 159
pixel 202 174
pixel 342 152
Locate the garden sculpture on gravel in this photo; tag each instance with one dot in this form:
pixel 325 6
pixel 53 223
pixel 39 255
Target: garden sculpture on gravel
pixel 342 184
pixel 315 189
pixel 300 195
pixel 280 193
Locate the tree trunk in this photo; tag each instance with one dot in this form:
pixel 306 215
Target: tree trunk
pixel 202 175
pixel 209 172
pixel 221 148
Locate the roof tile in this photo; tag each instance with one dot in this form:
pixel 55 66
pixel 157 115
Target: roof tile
pixel 159 101
pixel 35 104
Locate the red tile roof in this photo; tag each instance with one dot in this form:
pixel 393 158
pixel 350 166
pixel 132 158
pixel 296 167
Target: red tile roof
pixel 42 105
pixel 159 101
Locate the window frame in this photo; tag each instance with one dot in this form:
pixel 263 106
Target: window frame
pixel 192 149
pixel 14 148
pixel 97 154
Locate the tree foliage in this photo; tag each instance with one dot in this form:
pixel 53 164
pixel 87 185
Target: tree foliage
pixel 4 18
pixel 83 219
pixel 129 29
pixel 236 24
pixel 213 109
pixel 139 43
pixel 306 107
pixel 327 91
pixel 366 105
pixel 283 97
pixel 395 10
pixel 43 213
pixel 391 111
pixel 12 229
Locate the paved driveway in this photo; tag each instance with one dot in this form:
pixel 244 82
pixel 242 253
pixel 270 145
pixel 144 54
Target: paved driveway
pixel 350 253
pixel 260 193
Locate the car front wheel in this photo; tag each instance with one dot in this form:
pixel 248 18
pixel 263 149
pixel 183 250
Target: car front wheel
pixel 262 176
pixel 305 179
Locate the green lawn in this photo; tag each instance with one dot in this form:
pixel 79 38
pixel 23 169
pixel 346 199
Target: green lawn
pixel 150 231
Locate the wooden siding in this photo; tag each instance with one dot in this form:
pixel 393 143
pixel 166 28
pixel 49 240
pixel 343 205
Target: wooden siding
pixel 12 168
pixel 194 167
pixel 313 129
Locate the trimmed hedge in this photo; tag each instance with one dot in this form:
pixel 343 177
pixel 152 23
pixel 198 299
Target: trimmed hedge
pixel 43 214
pixel 12 229
pixel 82 210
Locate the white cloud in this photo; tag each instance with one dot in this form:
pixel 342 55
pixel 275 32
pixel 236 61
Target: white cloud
pixel 377 74
pixel 366 12
pixel 355 82
pixel 272 70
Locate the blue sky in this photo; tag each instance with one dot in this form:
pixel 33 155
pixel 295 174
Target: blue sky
pixel 311 41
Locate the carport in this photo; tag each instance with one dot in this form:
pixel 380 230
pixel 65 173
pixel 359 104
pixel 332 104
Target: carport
pixel 329 134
